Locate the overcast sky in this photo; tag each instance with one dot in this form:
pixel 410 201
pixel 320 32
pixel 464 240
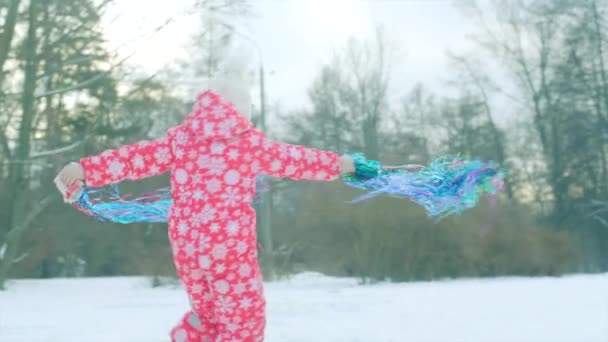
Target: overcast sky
pixel 296 36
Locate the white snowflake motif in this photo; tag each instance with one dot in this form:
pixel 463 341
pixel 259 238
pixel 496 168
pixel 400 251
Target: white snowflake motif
pixel 197 274
pixel 245 303
pixel 207 214
pixel 241 247
pixel 225 126
pixel 245 232
pixel 197 220
pixel 203 161
pixel 205 101
pixel 255 167
pixel 181 176
pixel 216 166
pixel 218 111
pixel 197 288
pixel 275 165
pixel 180 335
pixel 182 228
pixel 239 288
pixel 225 304
pixel 194 234
pixel 223 215
pixel 163 155
pixel 217 147
pixel 219 252
pixel 321 175
pixel 95 160
pixel 232 177
pixel 255 284
pixel 179 153
pixel 244 270
pixel 325 159
pixel 295 153
pixel 196 124
pixel 116 168
pixel 209 128
pixel 197 178
pixel 220 268
pixel 233 154
pixel 198 195
pixel 245 220
pixel 307 174
pixel 266 145
pixel 290 169
pixel 181 138
pixel 96 176
pixel 138 162
pixel 283 152
pixel 214 228
pixel 204 242
pixel 123 152
pixel 204 262
pixel 222 286
pixel 232 227
pixel 311 157
pixel 247 183
pixel 254 140
pixel 190 250
pixel 154 170
pixel 232 328
pixel 214 185
pixel 231 196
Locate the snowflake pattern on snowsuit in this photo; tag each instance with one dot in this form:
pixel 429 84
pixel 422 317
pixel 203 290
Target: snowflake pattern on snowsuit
pixel 214 157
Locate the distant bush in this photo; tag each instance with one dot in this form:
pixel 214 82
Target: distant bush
pixel 392 239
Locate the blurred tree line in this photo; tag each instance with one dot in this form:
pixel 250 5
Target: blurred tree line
pixel 542 64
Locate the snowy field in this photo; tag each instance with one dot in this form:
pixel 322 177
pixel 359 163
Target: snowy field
pixel 314 308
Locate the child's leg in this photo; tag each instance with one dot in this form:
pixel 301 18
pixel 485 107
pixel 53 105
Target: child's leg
pixel 239 302
pixel 196 325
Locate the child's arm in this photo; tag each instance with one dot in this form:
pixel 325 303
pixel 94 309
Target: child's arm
pixel 133 162
pixel 301 163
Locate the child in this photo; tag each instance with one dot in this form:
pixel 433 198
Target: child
pixel 214 157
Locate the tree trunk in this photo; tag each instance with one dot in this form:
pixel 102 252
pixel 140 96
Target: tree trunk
pixel 18 185
pixel 604 90
pixel 7 36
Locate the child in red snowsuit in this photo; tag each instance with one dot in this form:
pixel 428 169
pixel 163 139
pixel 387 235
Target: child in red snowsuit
pixel 214 157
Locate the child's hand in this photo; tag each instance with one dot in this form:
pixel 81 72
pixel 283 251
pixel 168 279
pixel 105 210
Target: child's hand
pixel 71 173
pixel 347 165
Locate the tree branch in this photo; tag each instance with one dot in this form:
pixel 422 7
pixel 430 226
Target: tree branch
pixel 60 150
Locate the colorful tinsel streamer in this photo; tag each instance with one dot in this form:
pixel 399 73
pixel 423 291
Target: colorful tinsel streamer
pixel 447 186
pixel 107 204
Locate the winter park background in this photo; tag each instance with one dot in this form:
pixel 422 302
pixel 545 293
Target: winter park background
pixel 521 82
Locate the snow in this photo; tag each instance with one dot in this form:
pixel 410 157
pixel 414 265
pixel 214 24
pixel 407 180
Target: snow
pixel 310 307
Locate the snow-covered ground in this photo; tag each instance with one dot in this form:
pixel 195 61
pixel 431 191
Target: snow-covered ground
pixel 314 308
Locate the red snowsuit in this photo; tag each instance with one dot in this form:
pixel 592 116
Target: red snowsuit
pixel 214 157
